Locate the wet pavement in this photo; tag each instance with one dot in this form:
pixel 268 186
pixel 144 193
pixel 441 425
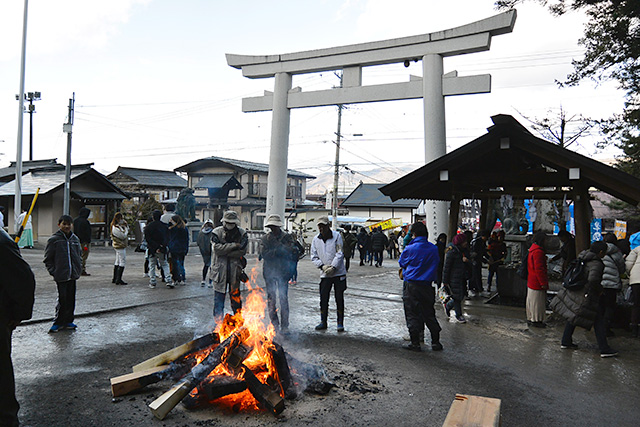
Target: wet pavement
pixel 62 378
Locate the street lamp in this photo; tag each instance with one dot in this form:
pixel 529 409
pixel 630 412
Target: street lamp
pixel 31 96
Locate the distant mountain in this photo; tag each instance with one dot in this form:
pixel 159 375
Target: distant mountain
pixel 349 181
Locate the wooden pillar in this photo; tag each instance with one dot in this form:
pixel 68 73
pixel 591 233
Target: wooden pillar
pixel 582 218
pixel 454 212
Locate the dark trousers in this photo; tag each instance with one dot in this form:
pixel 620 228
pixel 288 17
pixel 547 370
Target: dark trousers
pixel 475 283
pixel 340 285
pixel 8 404
pixel 418 299
pixel 235 298
pixel 599 328
pixel 347 262
pixel 278 289
pixel 635 297
pixel 66 305
pixel 609 306
pixel 455 305
pixel 363 255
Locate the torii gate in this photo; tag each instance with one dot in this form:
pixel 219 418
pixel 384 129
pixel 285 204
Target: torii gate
pixel 432 87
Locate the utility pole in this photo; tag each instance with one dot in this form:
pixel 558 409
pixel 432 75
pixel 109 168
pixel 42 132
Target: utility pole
pixel 67 128
pixel 336 174
pixel 17 198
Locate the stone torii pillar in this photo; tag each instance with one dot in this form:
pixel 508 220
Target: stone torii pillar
pixel 432 87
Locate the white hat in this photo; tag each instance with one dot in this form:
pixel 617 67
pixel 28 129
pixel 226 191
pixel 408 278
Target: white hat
pixel 323 220
pixel 231 217
pixel 274 219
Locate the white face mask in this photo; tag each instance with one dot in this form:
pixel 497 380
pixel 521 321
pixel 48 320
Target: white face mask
pixel 229 225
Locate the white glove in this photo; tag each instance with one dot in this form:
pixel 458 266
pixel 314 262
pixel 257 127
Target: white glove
pixel 329 271
pixel 326 267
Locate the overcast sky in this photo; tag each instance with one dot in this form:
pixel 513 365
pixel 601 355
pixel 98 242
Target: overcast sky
pixel 153 89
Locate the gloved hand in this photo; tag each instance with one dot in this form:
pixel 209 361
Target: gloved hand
pixel 329 271
pixel 325 267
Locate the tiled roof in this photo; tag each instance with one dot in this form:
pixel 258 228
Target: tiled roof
pixel 369 195
pixel 155 178
pixel 244 165
pixel 217 181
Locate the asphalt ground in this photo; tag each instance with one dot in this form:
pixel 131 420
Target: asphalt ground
pixel 63 379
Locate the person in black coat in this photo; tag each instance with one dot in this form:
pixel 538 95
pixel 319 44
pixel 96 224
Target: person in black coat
pixel 82 229
pixel 378 242
pixel 178 248
pixel 17 288
pixel 454 275
pixel 156 233
pixel 363 243
pixel 478 249
pixel 441 244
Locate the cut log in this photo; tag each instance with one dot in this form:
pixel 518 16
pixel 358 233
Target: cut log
pixel 134 381
pixel 178 352
pixel 284 373
pixel 213 388
pixel 165 403
pixel 468 410
pixel 268 398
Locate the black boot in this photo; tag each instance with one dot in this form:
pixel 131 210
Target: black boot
pixel 415 342
pixel 119 280
pixel 634 330
pixel 435 341
pixel 115 274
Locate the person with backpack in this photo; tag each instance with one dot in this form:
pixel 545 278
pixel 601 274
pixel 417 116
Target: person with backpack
pixel 582 304
pixel 537 281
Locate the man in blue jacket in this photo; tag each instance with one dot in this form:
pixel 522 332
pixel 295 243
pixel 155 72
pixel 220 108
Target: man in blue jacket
pixel 419 262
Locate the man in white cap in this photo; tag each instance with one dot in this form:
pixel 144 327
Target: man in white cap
pixel 279 252
pixel 229 243
pixel 326 254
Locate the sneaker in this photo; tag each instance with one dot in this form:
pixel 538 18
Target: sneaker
pixel 340 327
pixel 152 285
pixel 570 346
pixel 145 274
pixel 609 353
pixel 183 282
pixel 436 347
pixel 71 326
pixel 202 283
pixel 54 329
pixel 84 273
pixel 210 285
pixel 412 347
pixel 321 326
pixel 461 319
pixel 170 285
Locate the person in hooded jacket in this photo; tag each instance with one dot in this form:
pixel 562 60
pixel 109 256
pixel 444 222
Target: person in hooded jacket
pixel 537 281
pixel 63 260
pixel 364 240
pixel 204 244
pixel 178 247
pixel 156 233
pixel 350 241
pixel 17 288
pixel 632 263
pixel 120 240
pixel 82 229
pixel 614 266
pixel 454 275
pixel 379 241
pixel 585 307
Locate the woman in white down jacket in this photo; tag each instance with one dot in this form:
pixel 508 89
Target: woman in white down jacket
pixel 633 269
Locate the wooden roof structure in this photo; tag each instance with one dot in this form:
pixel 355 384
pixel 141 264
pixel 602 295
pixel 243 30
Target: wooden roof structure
pixel 508 159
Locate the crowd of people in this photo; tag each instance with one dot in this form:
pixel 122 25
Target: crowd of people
pixel 429 272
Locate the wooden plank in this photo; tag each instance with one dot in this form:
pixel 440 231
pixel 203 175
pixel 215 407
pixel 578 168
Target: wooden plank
pixel 134 381
pixel 165 403
pixel 473 411
pixel 178 352
pixel 268 398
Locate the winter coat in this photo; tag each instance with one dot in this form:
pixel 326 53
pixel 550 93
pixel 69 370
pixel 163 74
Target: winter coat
pixel 328 252
pixel 280 255
pixel 633 266
pixel 17 283
pixel 156 233
pixel 63 256
pixel 178 240
pixel 419 261
pixel 204 242
pixel 350 240
pixel 364 240
pixel 580 306
pixel 537 267
pixel 378 241
pixel 119 233
pixel 82 226
pixel 478 250
pixel 229 247
pixel 614 266
pixel 497 252
pixel 454 272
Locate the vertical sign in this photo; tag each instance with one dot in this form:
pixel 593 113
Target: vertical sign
pixel 621 229
pixel 596 229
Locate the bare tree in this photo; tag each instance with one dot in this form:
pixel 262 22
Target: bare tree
pixel 559 128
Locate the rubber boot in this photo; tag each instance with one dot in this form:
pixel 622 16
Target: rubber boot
pixel 115 274
pixel 119 280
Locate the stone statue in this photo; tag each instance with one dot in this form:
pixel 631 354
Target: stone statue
pixel 186 206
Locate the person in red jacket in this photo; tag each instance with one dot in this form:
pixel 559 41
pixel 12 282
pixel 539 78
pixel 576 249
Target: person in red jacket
pixel 537 281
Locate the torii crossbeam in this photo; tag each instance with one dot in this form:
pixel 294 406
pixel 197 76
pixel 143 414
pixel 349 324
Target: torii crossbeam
pixel 433 86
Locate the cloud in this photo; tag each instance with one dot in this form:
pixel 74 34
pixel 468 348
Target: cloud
pixel 55 27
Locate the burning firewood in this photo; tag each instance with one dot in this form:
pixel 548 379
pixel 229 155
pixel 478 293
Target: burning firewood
pixel 165 403
pixel 178 352
pixel 282 368
pixel 212 388
pixel 268 398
